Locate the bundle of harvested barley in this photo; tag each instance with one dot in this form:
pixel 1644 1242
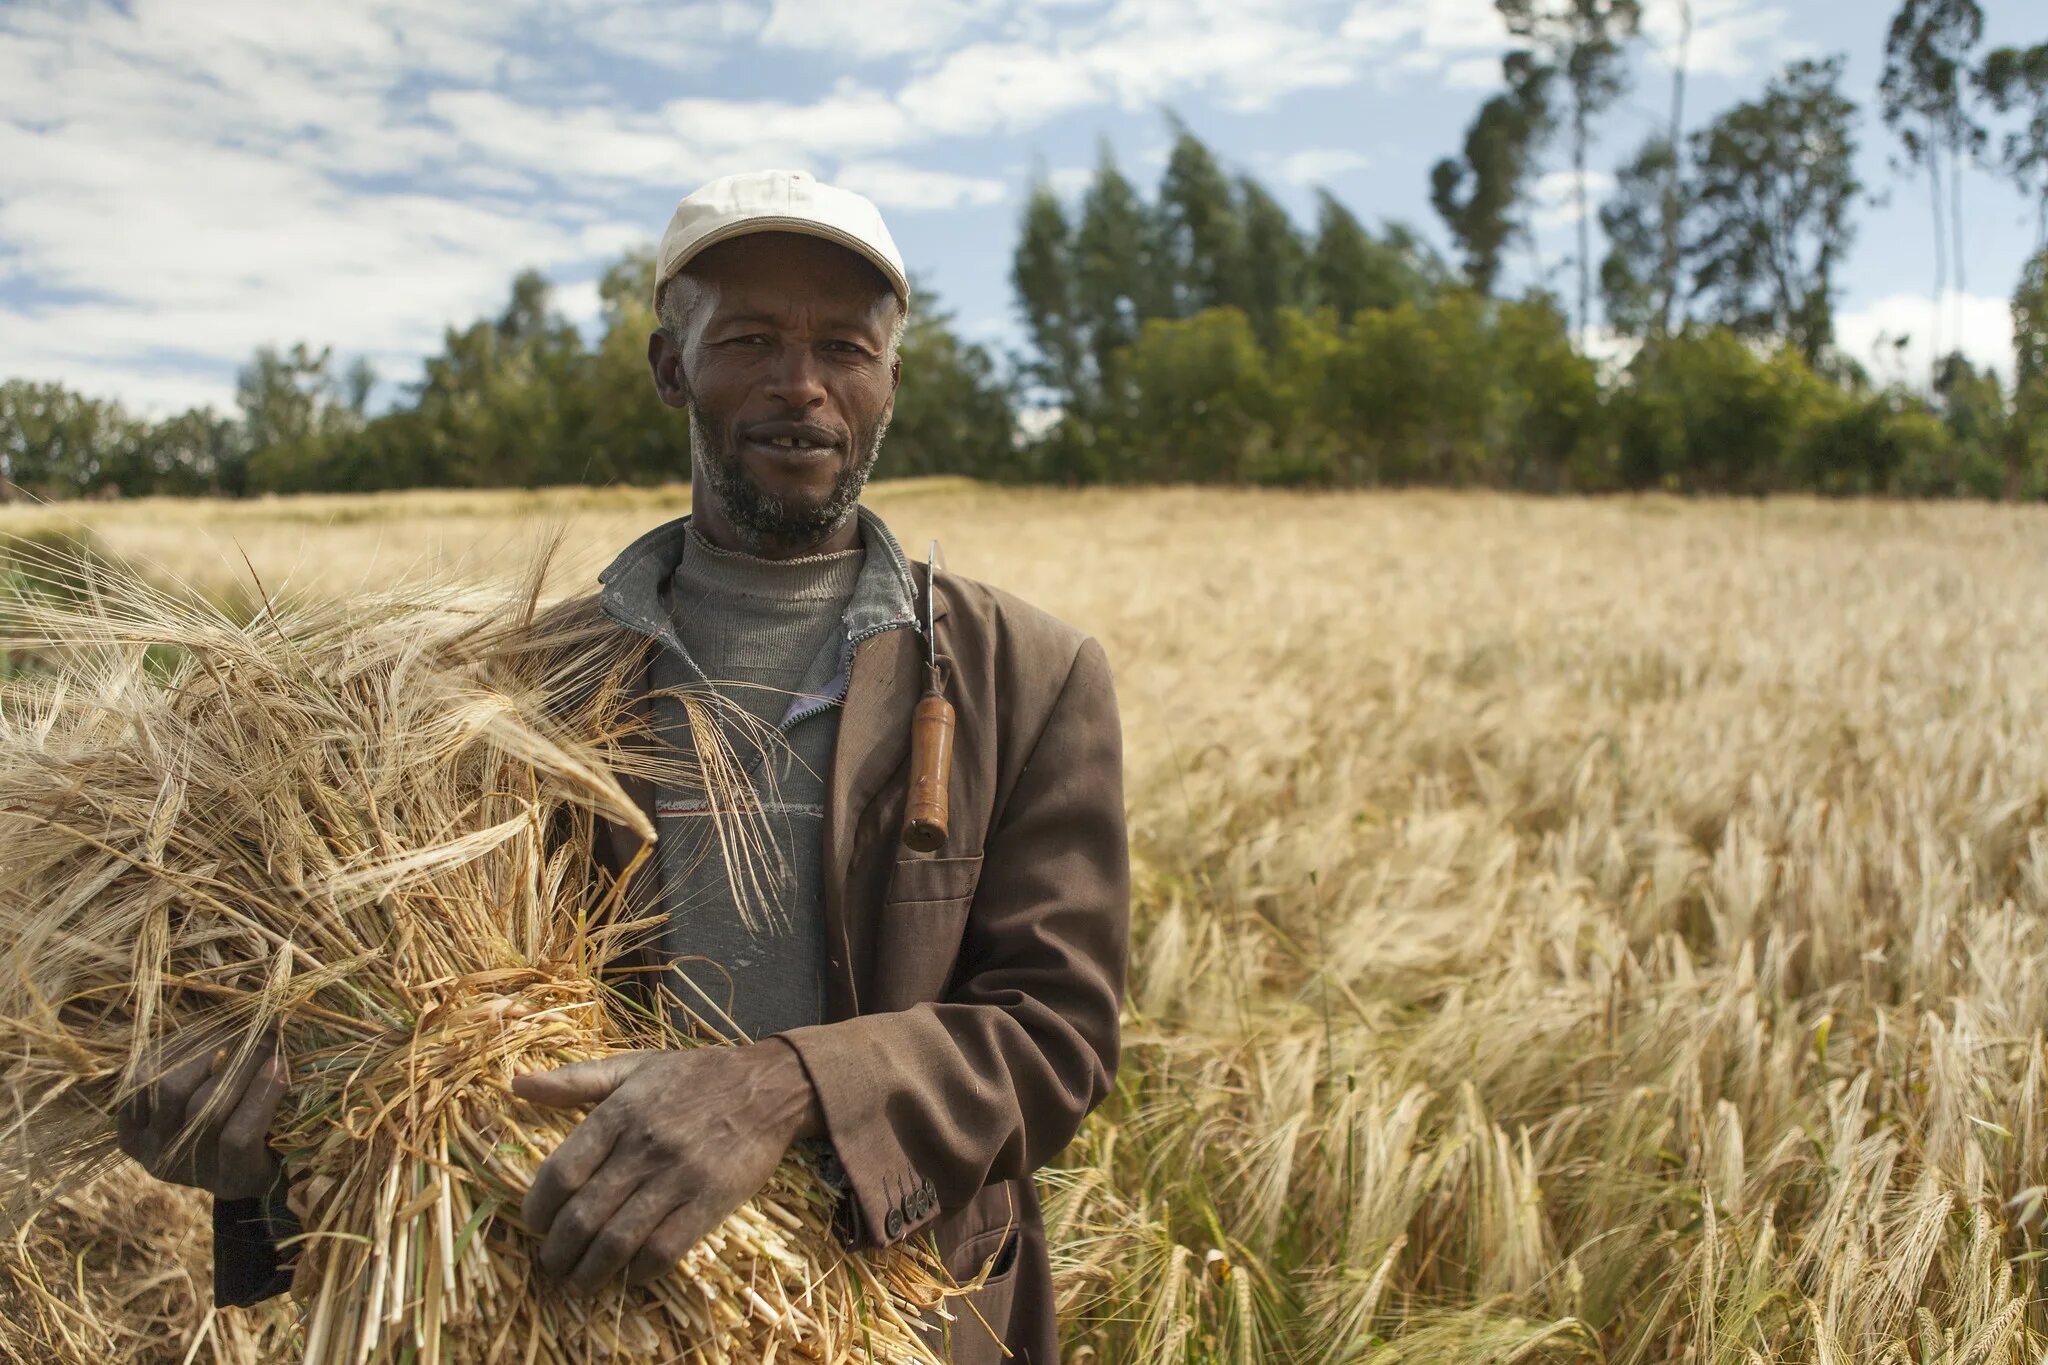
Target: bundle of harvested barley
pixel 364 828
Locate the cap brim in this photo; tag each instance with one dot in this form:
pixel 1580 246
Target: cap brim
pixel 809 227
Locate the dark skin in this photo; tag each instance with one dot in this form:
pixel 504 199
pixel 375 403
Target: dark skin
pixel 787 335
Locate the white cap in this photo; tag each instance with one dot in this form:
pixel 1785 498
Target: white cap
pixel 777 201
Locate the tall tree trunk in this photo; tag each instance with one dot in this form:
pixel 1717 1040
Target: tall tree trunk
pixel 1585 228
pixel 1673 181
pixel 1940 254
pixel 1961 252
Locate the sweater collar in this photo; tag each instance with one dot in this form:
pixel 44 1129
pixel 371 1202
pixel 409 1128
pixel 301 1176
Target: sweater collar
pixel 635 585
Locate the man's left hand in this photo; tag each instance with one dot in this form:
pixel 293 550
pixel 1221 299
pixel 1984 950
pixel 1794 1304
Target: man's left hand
pixel 674 1141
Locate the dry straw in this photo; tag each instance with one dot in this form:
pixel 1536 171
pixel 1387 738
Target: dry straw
pixel 364 828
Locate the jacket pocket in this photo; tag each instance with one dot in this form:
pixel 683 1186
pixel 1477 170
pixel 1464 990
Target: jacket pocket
pixel 918 930
pixel 918 880
pixel 981 1318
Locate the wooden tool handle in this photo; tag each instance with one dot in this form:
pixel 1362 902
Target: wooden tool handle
pixel 931 765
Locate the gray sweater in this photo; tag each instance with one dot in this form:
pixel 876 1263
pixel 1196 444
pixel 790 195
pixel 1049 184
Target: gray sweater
pixel 746 931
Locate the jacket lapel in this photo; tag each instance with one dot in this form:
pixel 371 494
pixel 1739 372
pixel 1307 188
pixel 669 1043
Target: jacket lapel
pixel 884 681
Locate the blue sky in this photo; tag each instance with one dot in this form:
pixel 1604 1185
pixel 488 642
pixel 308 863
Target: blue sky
pixel 182 180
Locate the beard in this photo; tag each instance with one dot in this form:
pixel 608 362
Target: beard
pixel 762 521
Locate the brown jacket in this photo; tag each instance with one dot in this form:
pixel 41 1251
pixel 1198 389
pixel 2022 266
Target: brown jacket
pixel 972 992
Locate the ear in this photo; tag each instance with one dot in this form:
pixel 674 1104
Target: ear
pixel 665 362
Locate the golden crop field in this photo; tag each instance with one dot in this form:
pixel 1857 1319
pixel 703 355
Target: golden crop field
pixel 1565 930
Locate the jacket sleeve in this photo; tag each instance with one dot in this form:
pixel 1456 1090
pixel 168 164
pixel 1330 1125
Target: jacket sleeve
pixel 248 1264
pixel 927 1105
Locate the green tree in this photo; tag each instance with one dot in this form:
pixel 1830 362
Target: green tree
pixel 1479 195
pixel 1582 40
pixel 2027 433
pixel 633 437
pixel 1042 275
pixel 1552 421
pixel 1120 280
pixel 1702 411
pixel 1202 402
pixel 1276 262
pixel 1923 96
pixel 507 402
pixel 56 443
pixel 296 413
pixel 1199 229
pixel 1349 269
pixel 1646 226
pixel 1776 186
pixel 2015 81
pixel 953 414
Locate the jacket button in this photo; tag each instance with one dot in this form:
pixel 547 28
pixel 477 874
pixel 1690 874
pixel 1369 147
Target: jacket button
pixel 893 1224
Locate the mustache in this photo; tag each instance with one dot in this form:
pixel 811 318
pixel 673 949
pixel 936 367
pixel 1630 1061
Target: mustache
pixel 810 433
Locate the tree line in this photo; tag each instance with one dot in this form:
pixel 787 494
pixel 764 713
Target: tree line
pixel 1199 333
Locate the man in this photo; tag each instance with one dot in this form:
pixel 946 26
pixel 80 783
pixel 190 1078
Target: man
pixel 939 1023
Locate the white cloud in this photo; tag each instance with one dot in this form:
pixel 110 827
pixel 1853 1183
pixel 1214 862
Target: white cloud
pixel 895 185
pixel 1556 201
pixel 872 28
pixel 1070 182
pixel 1316 165
pixel 1978 325
pixel 1729 37
pixel 182 181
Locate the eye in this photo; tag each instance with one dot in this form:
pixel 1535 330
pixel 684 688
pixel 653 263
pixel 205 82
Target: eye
pixel 847 347
pixel 751 338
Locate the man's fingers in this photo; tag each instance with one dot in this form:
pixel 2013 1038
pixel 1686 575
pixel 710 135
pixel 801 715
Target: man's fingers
pixel 668 1243
pixel 582 1221
pixel 577 1085
pixel 619 1241
pixel 565 1171
pixel 243 1161
pixel 169 1096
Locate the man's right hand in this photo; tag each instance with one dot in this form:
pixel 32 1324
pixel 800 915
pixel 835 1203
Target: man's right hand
pixel 228 1153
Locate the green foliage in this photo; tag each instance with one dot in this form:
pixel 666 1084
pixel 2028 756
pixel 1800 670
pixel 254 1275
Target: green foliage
pixel 1203 401
pixel 2015 81
pixel 953 413
pixel 1704 411
pixel 1478 196
pixel 1638 283
pixel 1776 182
pixel 1201 232
pixel 58 444
pixel 1351 270
pixel 1923 93
pixel 1583 41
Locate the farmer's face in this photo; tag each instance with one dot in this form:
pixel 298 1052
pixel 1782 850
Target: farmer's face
pixel 784 366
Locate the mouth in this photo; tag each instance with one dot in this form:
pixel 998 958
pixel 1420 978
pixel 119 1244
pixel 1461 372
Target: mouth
pixel 789 448
pixel 791 440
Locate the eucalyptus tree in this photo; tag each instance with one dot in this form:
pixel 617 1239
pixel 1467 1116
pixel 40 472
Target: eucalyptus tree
pixel 1925 99
pixel 1480 195
pixel 1200 228
pixel 1648 248
pixel 1776 189
pixel 1275 259
pixel 1585 42
pixel 1352 271
pixel 2015 81
pixel 1048 296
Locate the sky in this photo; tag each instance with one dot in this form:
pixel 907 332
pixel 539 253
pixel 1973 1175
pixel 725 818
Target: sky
pixel 182 181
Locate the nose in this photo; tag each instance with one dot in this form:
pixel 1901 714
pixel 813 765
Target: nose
pixel 797 380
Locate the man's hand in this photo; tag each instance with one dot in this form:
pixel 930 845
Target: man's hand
pixel 227 1152
pixel 677 1141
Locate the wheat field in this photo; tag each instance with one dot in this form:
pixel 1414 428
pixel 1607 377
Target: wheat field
pixel 1565 930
